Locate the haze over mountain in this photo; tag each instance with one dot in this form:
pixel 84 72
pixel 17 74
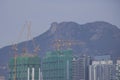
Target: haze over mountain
pixel 95 38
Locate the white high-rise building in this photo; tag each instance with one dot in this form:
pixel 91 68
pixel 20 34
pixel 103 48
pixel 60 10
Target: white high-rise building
pixel 102 70
pixel 118 70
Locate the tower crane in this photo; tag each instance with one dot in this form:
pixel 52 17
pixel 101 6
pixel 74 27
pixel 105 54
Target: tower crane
pixel 36 47
pixel 15 49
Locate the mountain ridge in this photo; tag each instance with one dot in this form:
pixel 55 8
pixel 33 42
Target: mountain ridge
pixel 95 38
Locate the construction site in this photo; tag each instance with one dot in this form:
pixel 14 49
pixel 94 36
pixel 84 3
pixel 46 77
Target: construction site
pixel 24 67
pixel 59 64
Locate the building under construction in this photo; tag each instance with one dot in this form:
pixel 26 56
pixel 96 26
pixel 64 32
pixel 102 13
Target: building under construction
pixel 57 65
pixel 25 67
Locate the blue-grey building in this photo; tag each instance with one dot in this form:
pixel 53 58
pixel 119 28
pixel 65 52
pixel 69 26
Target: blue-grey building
pixel 80 66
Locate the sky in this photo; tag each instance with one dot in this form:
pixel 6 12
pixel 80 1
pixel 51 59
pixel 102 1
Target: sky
pixel 41 13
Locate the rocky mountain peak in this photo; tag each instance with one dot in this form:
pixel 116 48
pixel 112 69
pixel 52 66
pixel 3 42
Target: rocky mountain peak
pixel 53 27
pixel 95 38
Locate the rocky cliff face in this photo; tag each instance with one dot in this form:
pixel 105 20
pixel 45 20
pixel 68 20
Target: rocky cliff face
pixel 96 38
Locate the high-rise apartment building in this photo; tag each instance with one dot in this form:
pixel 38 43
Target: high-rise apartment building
pixel 80 66
pixel 102 68
pixel 118 70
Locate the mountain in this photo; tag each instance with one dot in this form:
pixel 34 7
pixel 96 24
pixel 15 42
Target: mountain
pixel 95 38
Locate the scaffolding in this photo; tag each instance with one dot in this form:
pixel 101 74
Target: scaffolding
pixel 57 65
pixel 27 68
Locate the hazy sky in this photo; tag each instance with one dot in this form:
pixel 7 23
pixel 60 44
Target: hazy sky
pixel 14 14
